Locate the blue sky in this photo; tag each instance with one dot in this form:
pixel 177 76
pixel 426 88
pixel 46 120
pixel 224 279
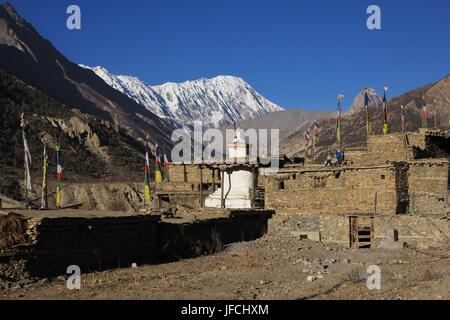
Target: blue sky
pixel 297 53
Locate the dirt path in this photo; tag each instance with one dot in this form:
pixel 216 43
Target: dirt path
pixel 274 267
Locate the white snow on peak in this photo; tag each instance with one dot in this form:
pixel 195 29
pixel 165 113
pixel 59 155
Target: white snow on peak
pixel 222 99
pixel 136 90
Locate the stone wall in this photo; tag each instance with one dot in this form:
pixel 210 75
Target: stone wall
pixel 96 244
pixel 419 187
pixel 429 186
pixel 183 187
pixel 179 200
pixel 415 141
pixel 395 147
pixel 343 191
pixel 416 231
pixel 429 203
pixel 386 148
pixel 429 176
pixel 178 172
pixel 356 156
pixel 398 147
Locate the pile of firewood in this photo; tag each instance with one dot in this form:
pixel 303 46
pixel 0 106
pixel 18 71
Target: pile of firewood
pixel 13 230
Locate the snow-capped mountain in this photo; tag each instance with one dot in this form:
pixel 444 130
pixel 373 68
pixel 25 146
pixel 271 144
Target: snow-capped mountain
pixel 223 99
pixel 136 90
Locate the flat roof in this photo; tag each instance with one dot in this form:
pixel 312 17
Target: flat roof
pixel 194 215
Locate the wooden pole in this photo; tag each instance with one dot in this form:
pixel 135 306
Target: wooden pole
pixel 254 189
pixel 185 178
pixel 222 200
pixel 434 115
pixel 340 120
pixel 44 196
pixel 201 186
pixel 155 192
pixel 376 203
pixel 156 197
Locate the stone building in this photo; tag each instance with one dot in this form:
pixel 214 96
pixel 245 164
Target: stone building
pixel 400 181
pixel 394 191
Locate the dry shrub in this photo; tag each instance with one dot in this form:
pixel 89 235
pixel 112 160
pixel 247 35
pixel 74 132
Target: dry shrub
pixel 431 276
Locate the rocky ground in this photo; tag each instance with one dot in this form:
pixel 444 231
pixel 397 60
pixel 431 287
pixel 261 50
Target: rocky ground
pixel 278 266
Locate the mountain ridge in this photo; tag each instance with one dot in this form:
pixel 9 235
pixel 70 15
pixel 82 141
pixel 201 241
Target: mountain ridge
pixel 91 148
pixel 213 101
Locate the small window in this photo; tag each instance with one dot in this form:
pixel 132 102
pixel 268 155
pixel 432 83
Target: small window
pixel 383 177
pixel 281 185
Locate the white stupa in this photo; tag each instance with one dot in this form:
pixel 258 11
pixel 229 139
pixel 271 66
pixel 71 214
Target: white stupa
pixel 239 184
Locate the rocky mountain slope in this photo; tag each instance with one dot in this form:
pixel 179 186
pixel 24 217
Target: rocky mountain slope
pixel 223 99
pixel 375 101
pixel 92 148
pixel 286 121
pixel 26 55
pixel 292 120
